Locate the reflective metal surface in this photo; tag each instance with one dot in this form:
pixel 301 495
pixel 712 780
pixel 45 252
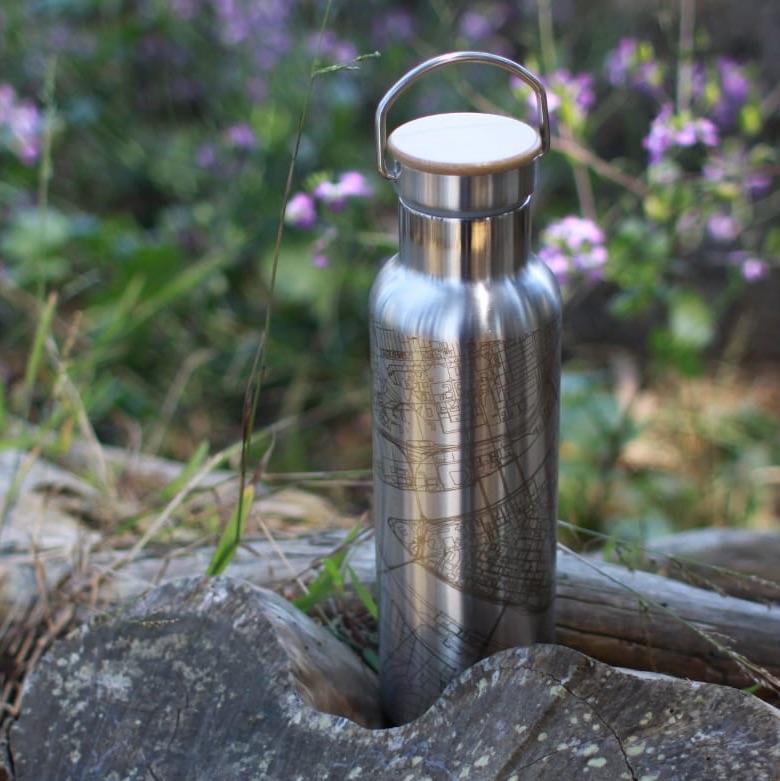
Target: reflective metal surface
pixel 442 61
pixel 465 349
pixel 466 195
pixel 456 248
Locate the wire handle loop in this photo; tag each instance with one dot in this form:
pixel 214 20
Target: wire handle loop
pixel 407 80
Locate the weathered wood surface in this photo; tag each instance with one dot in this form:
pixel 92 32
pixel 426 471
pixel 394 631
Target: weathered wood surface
pixel 718 558
pixel 195 682
pixel 601 610
pixel 623 617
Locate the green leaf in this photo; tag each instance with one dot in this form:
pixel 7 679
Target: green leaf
pixel 195 462
pixel 36 233
pixel 363 594
pixel 3 411
pixel 178 288
pixel 750 119
pixel 299 281
pixel 319 589
pixel 332 568
pixel 39 341
pixel 231 535
pixel 371 659
pixel 691 320
pixel 330 579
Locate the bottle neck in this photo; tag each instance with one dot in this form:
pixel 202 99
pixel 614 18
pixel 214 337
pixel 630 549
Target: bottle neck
pixel 470 248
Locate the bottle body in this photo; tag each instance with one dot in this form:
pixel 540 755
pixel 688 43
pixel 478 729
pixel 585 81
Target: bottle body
pixel 466 378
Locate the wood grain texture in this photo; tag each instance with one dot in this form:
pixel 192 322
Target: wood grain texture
pixel 195 682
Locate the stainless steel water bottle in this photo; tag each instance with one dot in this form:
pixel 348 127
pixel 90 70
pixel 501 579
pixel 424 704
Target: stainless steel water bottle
pixel 465 346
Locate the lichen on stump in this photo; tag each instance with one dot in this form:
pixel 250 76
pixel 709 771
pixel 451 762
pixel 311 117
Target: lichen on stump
pixel 211 679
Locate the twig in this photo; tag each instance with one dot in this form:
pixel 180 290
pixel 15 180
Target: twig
pixel 581 180
pixel 546 35
pixel 685 55
pixel 680 561
pixel 188 367
pixel 209 466
pixel 63 380
pixel 567 146
pixel 603 168
pixel 756 673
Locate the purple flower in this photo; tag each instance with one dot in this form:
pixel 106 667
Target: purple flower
pixel 353 184
pixel 734 91
pixel 395 25
pixel 475 26
pixel 738 168
pixel 241 136
pixel 572 246
pixel 661 136
pixel 7 102
pixel 567 95
pixel 670 130
pixel 332 48
pixel 754 269
pixel 751 267
pixel 723 227
pixel 300 211
pixel 557 262
pixel 319 249
pixel 757 184
pixel 206 156
pixel 632 63
pixel 619 61
pixel 184 9
pixel 334 195
pixel 481 24
pixel 262 25
pixel 733 80
pixel 21 125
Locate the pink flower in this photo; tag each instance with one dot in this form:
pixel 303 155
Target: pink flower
pixel 754 269
pixel 577 91
pixel 21 124
pixel 574 245
pixel 353 184
pixel 632 63
pixel 334 195
pixel 669 130
pixel 320 260
pixel 329 194
pixel 557 262
pixel 723 227
pixel 300 211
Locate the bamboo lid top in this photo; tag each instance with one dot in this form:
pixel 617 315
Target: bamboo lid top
pixel 464 144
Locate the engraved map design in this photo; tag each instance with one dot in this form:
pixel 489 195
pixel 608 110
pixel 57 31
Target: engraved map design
pixel 419 400
pixel 429 650
pixel 501 554
pixel 465 460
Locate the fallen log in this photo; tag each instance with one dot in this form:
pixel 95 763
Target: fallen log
pixel 196 681
pixel 623 617
pixel 739 562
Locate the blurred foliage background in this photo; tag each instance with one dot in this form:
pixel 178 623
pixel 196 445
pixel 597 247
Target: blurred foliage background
pixel 144 149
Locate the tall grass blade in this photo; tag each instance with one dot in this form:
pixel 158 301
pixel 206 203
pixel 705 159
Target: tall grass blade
pixel 42 331
pixel 231 534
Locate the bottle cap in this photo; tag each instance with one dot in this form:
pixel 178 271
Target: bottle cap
pixel 465 144
pixel 463 164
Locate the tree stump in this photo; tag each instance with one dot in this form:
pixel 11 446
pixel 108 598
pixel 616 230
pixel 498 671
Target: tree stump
pixel 211 679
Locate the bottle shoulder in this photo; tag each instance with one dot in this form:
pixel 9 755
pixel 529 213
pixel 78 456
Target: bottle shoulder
pixel 418 304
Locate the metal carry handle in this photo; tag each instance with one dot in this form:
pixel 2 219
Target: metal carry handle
pixel 435 63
